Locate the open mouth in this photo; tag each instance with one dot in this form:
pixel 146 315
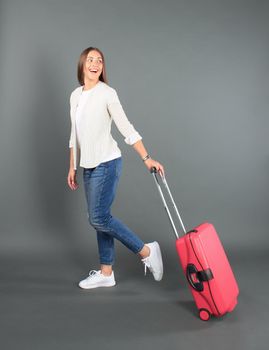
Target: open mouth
pixel 94 71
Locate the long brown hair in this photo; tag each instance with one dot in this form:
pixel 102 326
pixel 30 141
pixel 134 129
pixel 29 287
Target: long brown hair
pixel 81 61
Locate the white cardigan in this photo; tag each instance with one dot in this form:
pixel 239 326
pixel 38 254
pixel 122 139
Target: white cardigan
pixel 97 144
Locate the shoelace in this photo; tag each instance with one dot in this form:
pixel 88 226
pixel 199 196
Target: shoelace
pixel 92 273
pixel 146 263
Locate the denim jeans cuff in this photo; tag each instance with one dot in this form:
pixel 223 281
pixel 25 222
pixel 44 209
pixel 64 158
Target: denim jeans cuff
pixel 107 262
pixel 138 249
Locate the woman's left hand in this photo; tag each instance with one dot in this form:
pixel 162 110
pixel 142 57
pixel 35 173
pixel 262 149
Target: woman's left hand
pixel 153 163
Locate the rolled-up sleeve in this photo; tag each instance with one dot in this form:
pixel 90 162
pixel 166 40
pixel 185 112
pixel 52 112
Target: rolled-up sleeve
pixel 118 115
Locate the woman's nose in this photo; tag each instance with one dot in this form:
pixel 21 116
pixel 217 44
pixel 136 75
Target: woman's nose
pixel 96 61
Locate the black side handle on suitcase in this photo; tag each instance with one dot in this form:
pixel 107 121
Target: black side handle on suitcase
pixel 196 278
pixel 153 170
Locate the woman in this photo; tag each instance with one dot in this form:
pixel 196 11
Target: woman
pixel 93 106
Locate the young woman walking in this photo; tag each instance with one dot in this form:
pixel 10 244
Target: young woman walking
pixel 93 106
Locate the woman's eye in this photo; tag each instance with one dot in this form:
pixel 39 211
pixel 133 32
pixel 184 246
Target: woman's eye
pixel 91 60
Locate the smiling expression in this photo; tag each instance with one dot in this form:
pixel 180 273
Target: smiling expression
pixel 93 65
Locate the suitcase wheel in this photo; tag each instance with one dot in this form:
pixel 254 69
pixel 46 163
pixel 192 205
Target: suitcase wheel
pixel 204 314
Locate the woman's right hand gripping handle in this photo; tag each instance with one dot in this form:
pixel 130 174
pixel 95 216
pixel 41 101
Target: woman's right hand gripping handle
pixel 71 179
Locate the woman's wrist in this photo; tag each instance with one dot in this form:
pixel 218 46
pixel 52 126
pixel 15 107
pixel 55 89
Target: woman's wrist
pixel 146 157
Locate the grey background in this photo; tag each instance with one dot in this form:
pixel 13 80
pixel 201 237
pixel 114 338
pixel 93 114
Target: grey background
pixel 192 77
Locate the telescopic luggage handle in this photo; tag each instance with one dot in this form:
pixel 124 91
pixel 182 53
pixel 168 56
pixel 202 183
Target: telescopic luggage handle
pixel 153 170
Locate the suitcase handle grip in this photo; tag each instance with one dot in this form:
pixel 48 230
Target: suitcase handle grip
pixel 196 278
pixel 190 271
pixel 153 170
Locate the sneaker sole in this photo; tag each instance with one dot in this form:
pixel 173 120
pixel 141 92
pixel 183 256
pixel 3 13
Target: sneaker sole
pixel 159 254
pixel 98 286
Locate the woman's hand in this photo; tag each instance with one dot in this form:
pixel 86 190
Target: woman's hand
pixel 153 163
pixel 71 179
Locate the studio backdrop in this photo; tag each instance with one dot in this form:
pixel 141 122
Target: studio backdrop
pixel 192 77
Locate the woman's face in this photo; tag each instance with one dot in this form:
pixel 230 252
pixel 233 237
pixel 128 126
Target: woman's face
pixel 93 66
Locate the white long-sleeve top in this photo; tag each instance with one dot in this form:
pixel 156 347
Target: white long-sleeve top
pixel 91 114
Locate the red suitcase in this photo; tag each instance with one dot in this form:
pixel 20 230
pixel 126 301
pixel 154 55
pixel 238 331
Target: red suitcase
pixel 205 265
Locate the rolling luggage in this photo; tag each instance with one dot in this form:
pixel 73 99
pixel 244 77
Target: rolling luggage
pixel 205 264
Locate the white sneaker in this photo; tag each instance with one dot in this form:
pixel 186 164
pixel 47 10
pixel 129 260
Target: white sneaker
pixel 97 279
pixel 154 261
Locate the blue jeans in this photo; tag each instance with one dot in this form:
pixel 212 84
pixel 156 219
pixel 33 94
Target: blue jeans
pixel 100 184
